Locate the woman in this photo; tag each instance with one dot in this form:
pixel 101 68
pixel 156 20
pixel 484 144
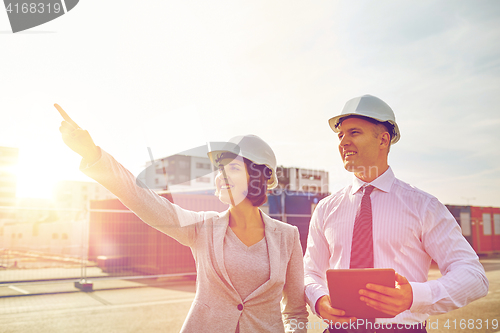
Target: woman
pixel 246 262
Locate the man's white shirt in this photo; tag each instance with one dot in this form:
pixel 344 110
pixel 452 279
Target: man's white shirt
pixel 410 229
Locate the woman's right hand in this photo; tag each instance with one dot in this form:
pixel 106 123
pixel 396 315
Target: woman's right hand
pixel 77 139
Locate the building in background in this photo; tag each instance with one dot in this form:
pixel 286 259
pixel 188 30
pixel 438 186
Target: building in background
pixel 59 226
pixel 52 226
pixel 196 173
pixel 303 180
pixel 179 173
pixel 69 194
pixel 23 230
pixel 8 181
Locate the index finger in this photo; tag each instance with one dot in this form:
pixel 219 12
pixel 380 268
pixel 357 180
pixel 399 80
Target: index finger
pixel 65 116
pixel 381 289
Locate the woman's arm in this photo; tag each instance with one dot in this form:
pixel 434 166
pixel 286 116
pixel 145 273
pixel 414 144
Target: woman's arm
pixel 294 311
pixel 153 209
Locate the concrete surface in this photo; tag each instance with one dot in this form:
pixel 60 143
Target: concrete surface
pixel 161 306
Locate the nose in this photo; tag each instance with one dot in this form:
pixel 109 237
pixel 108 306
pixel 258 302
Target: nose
pixel 343 141
pixel 221 175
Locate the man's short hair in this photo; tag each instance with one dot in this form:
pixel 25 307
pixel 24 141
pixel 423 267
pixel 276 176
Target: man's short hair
pixel 389 128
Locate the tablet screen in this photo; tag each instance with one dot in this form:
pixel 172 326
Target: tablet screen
pixel 344 286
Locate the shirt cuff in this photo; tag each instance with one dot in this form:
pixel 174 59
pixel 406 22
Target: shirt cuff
pixel 84 163
pixel 313 293
pixel 422 297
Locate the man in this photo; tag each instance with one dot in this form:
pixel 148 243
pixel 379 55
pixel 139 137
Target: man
pixel 407 229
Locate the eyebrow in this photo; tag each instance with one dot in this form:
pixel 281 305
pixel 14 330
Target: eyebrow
pixel 351 129
pixel 232 163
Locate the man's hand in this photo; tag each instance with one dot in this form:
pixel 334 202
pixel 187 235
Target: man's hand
pixel 78 139
pixel 329 314
pixel 392 301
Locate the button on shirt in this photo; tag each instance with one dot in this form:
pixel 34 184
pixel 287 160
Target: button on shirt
pixel 410 228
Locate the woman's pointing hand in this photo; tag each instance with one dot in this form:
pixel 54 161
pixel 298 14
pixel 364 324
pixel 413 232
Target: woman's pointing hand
pixel 77 139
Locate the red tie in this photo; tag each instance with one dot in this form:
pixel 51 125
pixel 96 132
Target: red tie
pixel 362 238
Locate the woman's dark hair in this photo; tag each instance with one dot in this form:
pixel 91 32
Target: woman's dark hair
pixel 259 174
pixel 257 184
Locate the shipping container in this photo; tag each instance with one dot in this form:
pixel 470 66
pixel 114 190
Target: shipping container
pixel 121 243
pixel 462 215
pixel 295 208
pixel 486 229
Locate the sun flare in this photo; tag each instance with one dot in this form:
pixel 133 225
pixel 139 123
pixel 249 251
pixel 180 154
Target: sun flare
pixel 37 178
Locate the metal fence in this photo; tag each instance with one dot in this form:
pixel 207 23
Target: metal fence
pixel 48 245
pixel 107 241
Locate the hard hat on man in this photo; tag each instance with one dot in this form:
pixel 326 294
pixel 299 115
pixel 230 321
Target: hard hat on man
pixel 370 107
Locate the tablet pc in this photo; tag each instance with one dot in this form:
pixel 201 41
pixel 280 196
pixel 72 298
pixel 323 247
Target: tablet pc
pixel 344 286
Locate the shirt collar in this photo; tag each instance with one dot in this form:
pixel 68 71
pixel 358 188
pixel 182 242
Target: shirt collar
pixel 382 182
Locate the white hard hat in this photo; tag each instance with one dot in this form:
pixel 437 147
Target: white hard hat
pixel 250 147
pixel 371 107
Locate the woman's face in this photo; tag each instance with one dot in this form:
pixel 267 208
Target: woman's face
pixel 232 181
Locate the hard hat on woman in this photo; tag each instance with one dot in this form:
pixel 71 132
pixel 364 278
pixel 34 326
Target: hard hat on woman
pixel 250 147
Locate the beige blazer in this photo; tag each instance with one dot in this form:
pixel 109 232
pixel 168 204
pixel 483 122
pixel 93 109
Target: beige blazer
pixel 217 306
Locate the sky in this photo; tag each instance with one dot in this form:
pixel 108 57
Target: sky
pixel 172 75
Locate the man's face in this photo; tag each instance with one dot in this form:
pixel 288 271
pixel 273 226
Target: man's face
pixel 358 146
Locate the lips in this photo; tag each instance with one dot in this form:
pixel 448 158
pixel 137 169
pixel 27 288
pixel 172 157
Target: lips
pixel 348 154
